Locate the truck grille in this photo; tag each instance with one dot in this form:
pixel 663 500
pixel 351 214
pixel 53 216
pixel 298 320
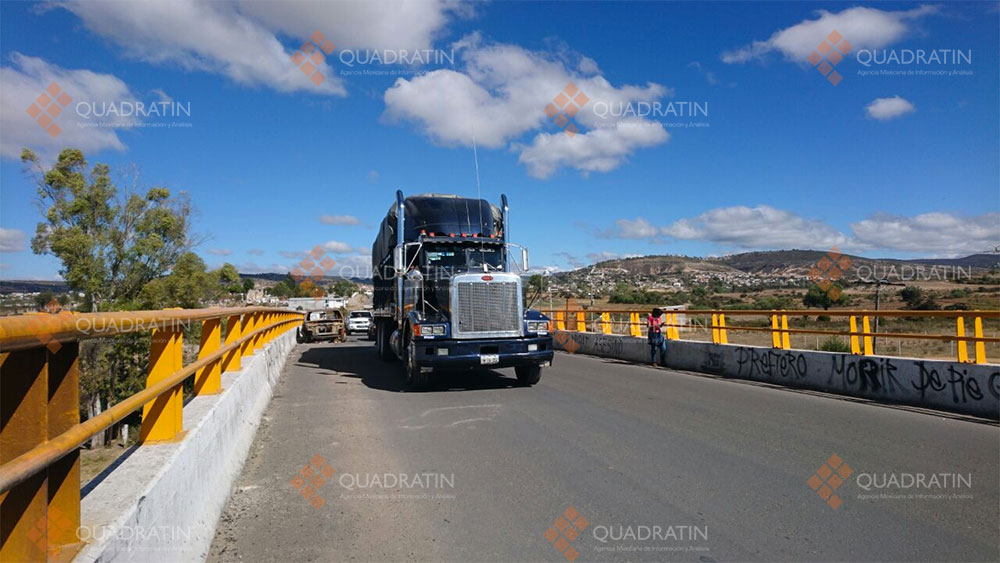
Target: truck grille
pixel 488 307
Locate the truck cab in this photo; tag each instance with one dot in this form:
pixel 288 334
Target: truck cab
pixel 446 295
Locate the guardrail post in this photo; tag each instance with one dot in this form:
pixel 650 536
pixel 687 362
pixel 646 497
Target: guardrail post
pixel 606 323
pixel 960 344
pixel 775 333
pixel 209 378
pixel 980 346
pixel 247 326
pixel 24 412
pixel 232 360
pixel 581 321
pixel 786 343
pixel 63 512
pixel 723 337
pixel 855 345
pixel 633 324
pixel 162 418
pixel 867 339
pixel 560 320
pixel 715 328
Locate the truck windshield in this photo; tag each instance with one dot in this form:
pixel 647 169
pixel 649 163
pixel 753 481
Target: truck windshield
pixel 457 258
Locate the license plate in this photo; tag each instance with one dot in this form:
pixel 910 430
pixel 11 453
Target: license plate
pixel 489 359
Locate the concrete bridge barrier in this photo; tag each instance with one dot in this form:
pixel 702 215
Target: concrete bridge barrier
pixel 964 388
pixel 161 502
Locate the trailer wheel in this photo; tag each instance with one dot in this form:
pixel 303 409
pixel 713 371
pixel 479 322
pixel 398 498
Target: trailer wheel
pixel 415 377
pixel 528 375
pixel 382 335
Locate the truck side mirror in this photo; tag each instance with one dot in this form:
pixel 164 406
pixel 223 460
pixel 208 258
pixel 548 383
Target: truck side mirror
pixel 398 260
pixel 524 259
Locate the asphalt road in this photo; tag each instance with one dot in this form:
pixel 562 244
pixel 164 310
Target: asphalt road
pixel 663 465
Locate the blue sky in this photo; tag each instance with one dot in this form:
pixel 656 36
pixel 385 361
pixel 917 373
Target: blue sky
pixel 880 164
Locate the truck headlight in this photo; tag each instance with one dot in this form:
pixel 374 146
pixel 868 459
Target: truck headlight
pixel 432 330
pixel 538 326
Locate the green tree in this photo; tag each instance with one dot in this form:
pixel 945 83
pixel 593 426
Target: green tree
pixel 248 284
pixel 912 296
pixel 343 288
pixel 110 245
pixel 816 297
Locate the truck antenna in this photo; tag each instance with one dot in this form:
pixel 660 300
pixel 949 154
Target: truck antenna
pixel 479 192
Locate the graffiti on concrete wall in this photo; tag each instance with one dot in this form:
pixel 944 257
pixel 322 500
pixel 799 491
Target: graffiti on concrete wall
pixel 608 345
pixel 760 362
pixel 956 381
pixel 865 374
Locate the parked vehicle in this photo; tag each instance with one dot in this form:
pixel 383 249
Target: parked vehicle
pixel 445 294
pixel 358 321
pixel 322 324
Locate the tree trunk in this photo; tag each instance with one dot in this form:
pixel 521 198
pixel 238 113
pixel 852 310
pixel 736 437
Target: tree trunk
pixel 94 409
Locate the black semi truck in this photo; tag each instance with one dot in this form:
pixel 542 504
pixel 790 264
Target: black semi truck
pixel 445 294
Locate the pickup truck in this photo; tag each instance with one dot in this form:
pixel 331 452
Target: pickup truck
pixel 358 321
pixel 322 324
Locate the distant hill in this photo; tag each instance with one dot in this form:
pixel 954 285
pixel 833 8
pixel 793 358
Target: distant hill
pixel 779 263
pixel 32 286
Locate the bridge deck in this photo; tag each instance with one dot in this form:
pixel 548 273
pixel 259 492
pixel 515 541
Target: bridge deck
pixel 625 445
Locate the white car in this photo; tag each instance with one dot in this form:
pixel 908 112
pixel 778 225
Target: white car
pixel 359 321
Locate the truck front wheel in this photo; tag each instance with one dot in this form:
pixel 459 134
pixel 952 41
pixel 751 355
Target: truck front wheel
pixel 415 377
pixel 528 375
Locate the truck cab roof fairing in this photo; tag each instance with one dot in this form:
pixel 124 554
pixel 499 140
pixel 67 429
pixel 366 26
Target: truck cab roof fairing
pixel 439 214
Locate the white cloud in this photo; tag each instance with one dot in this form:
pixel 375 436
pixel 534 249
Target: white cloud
pixel 12 240
pixel 766 228
pixel 293 254
pixel 598 150
pixel 737 227
pixel 26 79
pixel 936 234
pixel 211 37
pixel 500 93
pixel 256 252
pixel 387 24
pixel 337 247
pixel 373 176
pixel 240 40
pixel 884 109
pixel 339 220
pixel 220 251
pixel 756 227
pixel 864 28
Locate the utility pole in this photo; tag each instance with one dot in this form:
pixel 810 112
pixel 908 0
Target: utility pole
pixel 878 287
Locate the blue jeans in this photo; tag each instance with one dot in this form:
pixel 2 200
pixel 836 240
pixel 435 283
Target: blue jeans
pixel 656 343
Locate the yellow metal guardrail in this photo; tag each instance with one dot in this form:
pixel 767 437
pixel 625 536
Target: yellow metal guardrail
pixel 41 431
pixel 861 341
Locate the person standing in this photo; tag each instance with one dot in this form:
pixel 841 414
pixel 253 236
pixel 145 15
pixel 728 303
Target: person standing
pixel 654 328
